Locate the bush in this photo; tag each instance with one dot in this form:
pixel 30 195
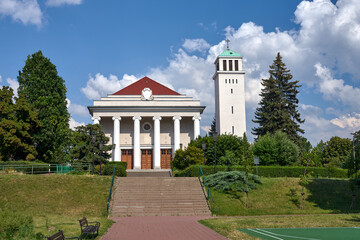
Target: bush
pixel 14 225
pixel 97 169
pixel 184 158
pixel 267 171
pixel 119 166
pixel 26 167
pixel 232 181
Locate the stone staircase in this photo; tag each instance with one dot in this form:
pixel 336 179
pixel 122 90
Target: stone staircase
pixel 158 196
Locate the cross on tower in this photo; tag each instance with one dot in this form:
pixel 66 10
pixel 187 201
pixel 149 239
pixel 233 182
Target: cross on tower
pixel 227 43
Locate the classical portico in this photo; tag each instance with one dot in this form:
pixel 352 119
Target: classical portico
pixel 147 122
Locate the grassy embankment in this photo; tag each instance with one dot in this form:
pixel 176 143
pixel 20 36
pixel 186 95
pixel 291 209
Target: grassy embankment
pixel 281 196
pixel 57 201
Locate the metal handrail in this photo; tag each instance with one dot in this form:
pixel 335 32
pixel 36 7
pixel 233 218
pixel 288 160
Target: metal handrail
pixel 110 192
pixel 208 196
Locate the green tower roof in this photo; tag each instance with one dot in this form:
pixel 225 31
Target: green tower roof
pixel 229 53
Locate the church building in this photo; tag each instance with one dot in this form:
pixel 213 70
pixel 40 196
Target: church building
pixel 147 122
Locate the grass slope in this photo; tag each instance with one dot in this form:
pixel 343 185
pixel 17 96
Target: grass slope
pixel 57 201
pixel 274 197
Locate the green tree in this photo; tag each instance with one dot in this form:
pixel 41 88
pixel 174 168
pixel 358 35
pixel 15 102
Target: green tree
pixel 17 121
pixel 336 151
pixel 82 147
pixel 185 158
pixel 276 149
pixel 213 127
pixel 40 84
pixel 278 106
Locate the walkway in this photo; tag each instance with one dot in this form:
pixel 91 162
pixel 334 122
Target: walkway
pixel 160 228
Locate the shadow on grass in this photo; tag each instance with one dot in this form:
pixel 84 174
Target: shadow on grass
pixel 354 219
pixel 333 194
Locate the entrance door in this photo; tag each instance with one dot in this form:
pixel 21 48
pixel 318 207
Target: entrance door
pixel 165 158
pixel 127 156
pixel 146 159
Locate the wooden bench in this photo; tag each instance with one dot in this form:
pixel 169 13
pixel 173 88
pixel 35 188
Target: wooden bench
pixel 87 228
pixel 59 236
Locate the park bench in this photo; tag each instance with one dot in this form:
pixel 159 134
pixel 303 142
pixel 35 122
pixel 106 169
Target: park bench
pixel 59 236
pixel 87 228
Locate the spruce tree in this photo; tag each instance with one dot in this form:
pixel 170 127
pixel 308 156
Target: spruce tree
pixel 40 84
pixel 278 106
pixel 213 127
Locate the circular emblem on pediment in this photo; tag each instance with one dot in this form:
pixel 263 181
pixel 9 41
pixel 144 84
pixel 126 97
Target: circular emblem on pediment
pixel 146 94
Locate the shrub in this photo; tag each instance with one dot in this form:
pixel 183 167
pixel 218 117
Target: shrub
pixel 184 158
pixel 14 225
pixel 119 166
pixel 232 181
pixel 97 169
pixel 27 167
pixel 267 171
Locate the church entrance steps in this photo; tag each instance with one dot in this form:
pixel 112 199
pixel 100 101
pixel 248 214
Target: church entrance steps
pixel 148 173
pixel 158 196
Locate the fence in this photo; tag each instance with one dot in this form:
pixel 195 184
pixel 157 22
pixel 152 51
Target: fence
pixel 44 168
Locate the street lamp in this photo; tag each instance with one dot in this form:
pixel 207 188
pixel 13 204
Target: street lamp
pixel 215 136
pixel 93 139
pixel 203 146
pixel 35 145
pixel 101 148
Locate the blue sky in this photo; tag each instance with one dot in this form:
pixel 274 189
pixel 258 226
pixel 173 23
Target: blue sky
pixel 101 46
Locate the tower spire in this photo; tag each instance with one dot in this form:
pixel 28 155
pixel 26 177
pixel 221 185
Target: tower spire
pixel 227 44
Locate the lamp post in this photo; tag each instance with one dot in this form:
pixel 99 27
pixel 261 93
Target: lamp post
pixel 35 145
pixel 203 146
pixel 113 148
pixel 93 139
pixel 215 136
pixel 101 148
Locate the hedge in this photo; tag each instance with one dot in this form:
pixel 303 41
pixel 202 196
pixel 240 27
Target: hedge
pixel 20 166
pixel 120 168
pixel 267 171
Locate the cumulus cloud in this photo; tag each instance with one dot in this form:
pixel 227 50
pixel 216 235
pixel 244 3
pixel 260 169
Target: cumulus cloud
pixel 100 86
pixel 73 123
pixel 350 121
pixel 56 3
pixel 76 109
pixel 192 45
pixel 12 83
pixel 25 11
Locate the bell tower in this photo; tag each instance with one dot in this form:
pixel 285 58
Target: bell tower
pixel 229 93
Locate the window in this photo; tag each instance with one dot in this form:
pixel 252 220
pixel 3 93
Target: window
pixel 231 91
pixel 225 80
pixel 217 66
pixel 233 130
pixel 232 109
pixel 236 65
pixel 224 65
pixel 230 65
pixel 233 80
pixel 236 81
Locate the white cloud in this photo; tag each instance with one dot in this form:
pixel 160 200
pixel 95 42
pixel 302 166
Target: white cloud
pixel 73 123
pixel 76 109
pixel 14 84
pixel 206 129
pixel 350 121
pixel 56 3
pixel 101 86
pixel 192 45
pixel 25 11
pixel 335 90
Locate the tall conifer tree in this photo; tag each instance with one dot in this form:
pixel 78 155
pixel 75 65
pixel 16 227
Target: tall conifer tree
pixel 278 106
pixel 45 90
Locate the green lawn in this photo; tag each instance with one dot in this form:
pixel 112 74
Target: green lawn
pixel 279 196
pixel 228 226
pixel 57 201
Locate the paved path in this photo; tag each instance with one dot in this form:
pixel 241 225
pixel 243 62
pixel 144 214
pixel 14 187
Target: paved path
pixel 160 228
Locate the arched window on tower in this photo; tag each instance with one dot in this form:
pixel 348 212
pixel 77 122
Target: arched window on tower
pixel 236 65
pixel 225 80
pixel 217 66
pixel 224 65
pixel 231 91
pixel 230 65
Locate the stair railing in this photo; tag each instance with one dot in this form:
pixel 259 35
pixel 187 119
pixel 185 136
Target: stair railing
pixel 110 192
pixel 207 192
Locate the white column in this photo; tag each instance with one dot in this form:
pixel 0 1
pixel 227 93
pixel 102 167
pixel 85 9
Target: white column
pixel 157 153
pixel 137 155
pixel 196 126
pixel 96 120
pixel 116 140
pixel 176 132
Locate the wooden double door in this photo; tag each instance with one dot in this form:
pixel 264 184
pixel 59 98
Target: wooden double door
pixel 127 156
pixel 146 158
pixel 166 155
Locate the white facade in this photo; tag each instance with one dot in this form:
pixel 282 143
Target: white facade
pixel 229 94
pixel 146 124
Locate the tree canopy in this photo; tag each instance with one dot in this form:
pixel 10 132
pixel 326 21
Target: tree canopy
pixel 278 106
pixel 40 84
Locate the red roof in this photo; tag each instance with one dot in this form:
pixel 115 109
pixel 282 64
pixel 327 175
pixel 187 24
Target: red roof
pixel 137 87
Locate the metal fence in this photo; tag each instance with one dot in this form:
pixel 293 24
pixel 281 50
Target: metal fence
pixel 44 168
